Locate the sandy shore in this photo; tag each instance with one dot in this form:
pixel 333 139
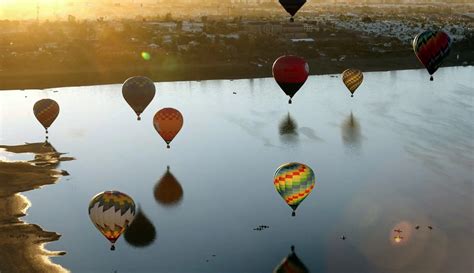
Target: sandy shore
pixel 22 244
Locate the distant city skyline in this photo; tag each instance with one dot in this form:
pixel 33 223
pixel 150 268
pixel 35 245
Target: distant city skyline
pixel 88 9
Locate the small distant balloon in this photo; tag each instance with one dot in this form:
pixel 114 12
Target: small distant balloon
pixel 141 232
pixel 112 212
pixel 168 191
pixel 168 122
pixel 431 48
pixel 294 182
pixel 352 78
pixel 46 111
pixel 146 56
pixel 292 6
pixel 290 72
pixel 138 92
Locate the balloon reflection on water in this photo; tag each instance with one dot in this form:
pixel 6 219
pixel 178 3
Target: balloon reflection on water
pixel 288 129
pixel 168 190
pixel 291 264
pixel 141 232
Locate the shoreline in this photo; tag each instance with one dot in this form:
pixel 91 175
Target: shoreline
pixel 22 80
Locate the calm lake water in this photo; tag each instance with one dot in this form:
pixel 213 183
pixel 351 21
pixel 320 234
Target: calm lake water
pixel 397 155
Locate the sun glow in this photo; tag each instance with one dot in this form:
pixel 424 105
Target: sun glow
pixel 31 9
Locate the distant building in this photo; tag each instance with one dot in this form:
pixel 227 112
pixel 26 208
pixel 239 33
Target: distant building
pixel 165 26
pixel 303 40
pixel 263 28
pixel 193 27
pixel 294 31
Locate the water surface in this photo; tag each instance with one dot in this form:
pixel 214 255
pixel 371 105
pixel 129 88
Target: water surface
pixel 397 155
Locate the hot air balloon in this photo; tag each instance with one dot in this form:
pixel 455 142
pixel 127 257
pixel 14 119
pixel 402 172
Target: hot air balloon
pixel 431 47
pixel 141 232
pixel 294 182
pixel 291 264
pixel 290 72
pixel 168 191
pixel 46 111
pixel 112 212
pixel 168 123
pixel 292 6
pixel 138 92
pixel 352 78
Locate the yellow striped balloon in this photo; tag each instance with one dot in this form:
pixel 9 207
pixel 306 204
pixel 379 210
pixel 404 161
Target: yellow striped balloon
pixel 352 78
pixel 294 182
pixel 46 111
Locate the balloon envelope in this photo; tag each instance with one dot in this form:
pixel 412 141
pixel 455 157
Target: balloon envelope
pixel 46 111
pixel 111 212
pixel 168 122
pixel 352 78
pixel 294 182
pixel 290 72
pixel 292 6
pixel 431 48
pixel 138 92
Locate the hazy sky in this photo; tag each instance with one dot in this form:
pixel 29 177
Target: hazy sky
pixel 51 9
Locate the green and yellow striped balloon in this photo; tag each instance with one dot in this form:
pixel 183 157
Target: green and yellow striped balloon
pixel 294 182
pixel 352 78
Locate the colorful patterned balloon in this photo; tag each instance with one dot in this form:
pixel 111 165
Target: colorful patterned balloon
pixel 294 182
pixel 352 78
pixel 290 72
pixel 112 212
pixel 291 264
pixel 138 92
pixel 431 47
pixel 46 111
pixel 168 122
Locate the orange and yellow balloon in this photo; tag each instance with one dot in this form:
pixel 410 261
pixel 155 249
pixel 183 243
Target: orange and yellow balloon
pixel 294 182
pixel 168 122
pixel 46 111
pixel 112 212
pixel 352 78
